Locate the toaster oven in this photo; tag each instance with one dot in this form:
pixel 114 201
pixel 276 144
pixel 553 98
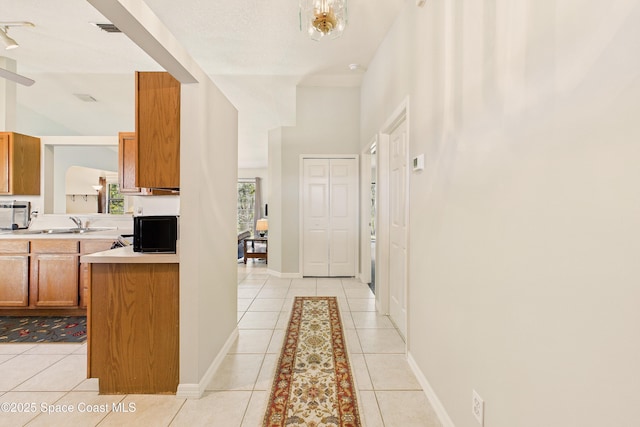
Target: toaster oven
pixel 14 214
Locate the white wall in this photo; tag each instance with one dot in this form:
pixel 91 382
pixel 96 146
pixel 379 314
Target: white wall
pixel 208 193
pixel 524 225
pixel 8 94
pixel 274 195
pixel 59 153
pixel 326 123
pixel 97 157
pixel 208 197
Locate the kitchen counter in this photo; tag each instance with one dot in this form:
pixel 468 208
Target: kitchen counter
pixel 126 255
pixel 101 234
pixel 134 321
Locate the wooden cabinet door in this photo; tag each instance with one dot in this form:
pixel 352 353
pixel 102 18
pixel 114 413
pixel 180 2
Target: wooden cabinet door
pixel 14 273
pixel 4 163
pixel 54 280
pixel 89 247
pixel 127 161
pixel 19 164
pixel 14 270
pixel 158 130
pixel 25 165
pixel 54 273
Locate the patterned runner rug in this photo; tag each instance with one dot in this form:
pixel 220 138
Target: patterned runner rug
pixel 40 329
pixel 313 385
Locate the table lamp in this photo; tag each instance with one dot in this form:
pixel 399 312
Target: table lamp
pixel 262 225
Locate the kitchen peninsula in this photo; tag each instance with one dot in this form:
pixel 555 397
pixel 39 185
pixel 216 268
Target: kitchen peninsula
pixel 133 321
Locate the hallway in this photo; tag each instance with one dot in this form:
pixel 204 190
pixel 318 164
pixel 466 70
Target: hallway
pixel 389 394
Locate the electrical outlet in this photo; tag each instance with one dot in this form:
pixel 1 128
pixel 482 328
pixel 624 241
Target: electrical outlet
pixel 477 407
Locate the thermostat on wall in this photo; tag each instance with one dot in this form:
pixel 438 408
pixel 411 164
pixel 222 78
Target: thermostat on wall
pixel 418 162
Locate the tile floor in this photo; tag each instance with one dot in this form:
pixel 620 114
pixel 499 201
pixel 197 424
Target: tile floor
pixel 52 376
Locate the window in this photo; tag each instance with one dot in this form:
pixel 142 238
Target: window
pixel 246 205
pixel 116 199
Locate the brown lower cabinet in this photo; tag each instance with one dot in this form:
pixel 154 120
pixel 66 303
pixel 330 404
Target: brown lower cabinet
pixel 133 327
pixel 53 280
pixel 44 276
pixel 14 270
pixel 89 247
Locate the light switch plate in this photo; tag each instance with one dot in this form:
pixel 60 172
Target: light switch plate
pixel 418 162
pixel 477 407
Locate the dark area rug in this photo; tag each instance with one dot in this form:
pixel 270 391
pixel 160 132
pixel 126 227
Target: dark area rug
pixel 43 329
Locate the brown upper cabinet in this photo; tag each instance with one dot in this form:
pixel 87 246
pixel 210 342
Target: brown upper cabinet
pixel 19 164
pixel 127 161
pixel 157 136
pixel 128 165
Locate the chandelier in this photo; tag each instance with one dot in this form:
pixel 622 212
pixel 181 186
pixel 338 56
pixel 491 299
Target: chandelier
pixel 322 18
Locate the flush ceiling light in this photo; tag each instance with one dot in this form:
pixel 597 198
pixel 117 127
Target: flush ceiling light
pixel 8 41
pixel 323 18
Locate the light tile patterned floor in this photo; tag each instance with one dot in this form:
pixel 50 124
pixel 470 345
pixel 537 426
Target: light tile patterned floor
pixel 389 394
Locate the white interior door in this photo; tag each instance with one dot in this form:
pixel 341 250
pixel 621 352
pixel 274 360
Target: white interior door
pixel 330 209
pixel 315 217
pixel 343 211
pixel 398 160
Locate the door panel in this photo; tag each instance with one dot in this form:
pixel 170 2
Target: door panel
pixel 14 291
pixel 398 227
pixel 339 202
pixel 344 218
pixel 318 201
pixel 340 249
pixel 329 217
pixel 316 217
pixel 54 280
pixel 4 163
pixel 316 253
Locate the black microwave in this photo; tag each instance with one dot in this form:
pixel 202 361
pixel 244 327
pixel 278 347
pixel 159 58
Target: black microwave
pixel 155 234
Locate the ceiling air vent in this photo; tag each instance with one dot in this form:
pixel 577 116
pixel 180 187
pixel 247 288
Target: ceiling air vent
pixel 85 97
pixel 109 28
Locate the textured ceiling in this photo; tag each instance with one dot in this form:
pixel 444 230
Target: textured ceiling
pixel 253 50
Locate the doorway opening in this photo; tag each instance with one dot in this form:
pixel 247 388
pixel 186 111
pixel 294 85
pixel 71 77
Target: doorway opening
pixel 372 216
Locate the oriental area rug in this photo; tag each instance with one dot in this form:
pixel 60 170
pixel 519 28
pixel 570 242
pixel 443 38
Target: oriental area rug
pixel 38 329
pixel 313 385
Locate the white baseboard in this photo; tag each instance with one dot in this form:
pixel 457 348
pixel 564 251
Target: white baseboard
pixel 284 275
pixel 436 404
pixel 195 391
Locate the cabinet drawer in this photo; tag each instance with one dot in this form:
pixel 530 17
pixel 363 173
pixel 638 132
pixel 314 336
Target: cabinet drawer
pixel 93 246
pixel 54 246
pixel 14 246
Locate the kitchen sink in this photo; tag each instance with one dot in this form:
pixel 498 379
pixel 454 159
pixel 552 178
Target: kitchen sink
pixel 60 231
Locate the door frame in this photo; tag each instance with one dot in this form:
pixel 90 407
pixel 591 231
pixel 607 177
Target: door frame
pixel 365 211
pixel 383 216
pixel 301 205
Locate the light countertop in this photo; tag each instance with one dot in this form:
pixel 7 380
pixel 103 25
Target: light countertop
pixel 102 234
pixel 126 255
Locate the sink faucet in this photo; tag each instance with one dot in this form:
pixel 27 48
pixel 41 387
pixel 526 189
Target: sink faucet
pixel 76 220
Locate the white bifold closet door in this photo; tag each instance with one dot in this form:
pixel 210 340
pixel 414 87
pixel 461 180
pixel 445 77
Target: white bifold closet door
pixel 330 217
